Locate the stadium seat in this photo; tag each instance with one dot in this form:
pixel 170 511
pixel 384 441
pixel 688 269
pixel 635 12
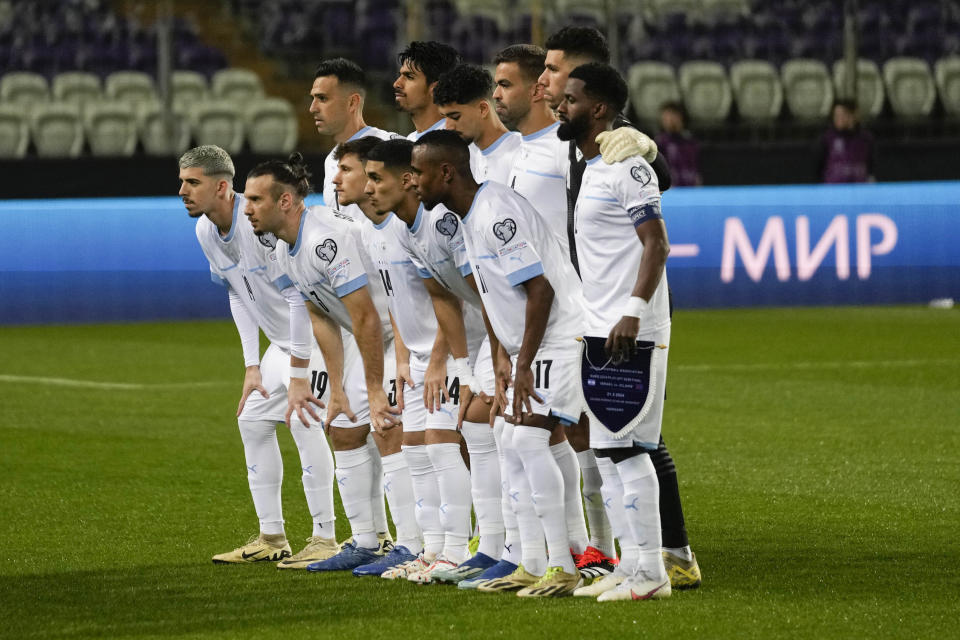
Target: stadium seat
pixel 691 8
pixel 706 91
pixel 154 137
pixel 271 126
pixel 947 72
pixel 57 129
pixel 189 86
pixel 131 86
pixel 14 131
pixel 76 86
pixel 809 91
pixel 24 87
pixel 111 128
pixel 218 122
pixel 757 88
pixel 651 84
pixel 237 85
pixel 870 91
pixel 910 87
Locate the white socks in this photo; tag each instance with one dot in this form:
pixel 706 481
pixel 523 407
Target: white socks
pixel 566 459
pixel 354 479
pixel 601 534
pixel 398 489
pixel 641 498
pixel 376 489
pixel 316 461
pixel 485 486
pixel 264 472
pixel 612 492
pixel 453 480
pixel 532 547
pixel 511 542
pixel 426 492
pixel 546 484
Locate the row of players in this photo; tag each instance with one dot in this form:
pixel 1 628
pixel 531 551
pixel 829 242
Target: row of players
pixel 492 230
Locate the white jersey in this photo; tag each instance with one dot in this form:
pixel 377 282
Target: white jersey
pixel 330 170
pixel 248 264
pixel 329 261
pixel 496 161
pixel 613 201
pixel 539 174
pixel 508 243
pixel 413 136
pixel 400 280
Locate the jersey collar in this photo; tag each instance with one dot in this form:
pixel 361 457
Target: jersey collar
pixel 383 223
pixel 296 245
pixel 537 134
pixel 475 198
pixel 233 225
pixel 417 220
pixel 496 144
pixel 360 134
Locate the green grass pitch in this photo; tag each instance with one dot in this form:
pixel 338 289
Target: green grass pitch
pixel 817 450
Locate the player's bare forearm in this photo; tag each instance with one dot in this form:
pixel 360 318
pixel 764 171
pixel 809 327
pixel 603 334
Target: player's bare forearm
pixel 449 312
pixel 539 299
pixel 656 248
pixel 327 334
pixel 369 334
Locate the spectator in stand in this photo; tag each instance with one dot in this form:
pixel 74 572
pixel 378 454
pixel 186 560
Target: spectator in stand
pixel 847 151
pixel 678 145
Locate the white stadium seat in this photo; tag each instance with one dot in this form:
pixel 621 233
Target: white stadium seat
pixel 706 91
pixel 111 128
pixel 155 138
pixel 131 86
pixel 57 129
pixel 189 86
pixel 808 88
pixel 910 87
pixel 870 91
pixel 947 73
pixel 14 131
pixel 757 88
pixel 238 85
pixel 271 126
pixel 651 84
pixel 77 86
pixel 218 122
pixel 24 87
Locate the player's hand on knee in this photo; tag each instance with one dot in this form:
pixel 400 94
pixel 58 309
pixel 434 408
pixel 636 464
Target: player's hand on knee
pixel 339 404
pixel 383 416
pixel 523 391
pixel 435 386
pixel 300 400
pixel 251 382
pixel 622 341
pixel 624 142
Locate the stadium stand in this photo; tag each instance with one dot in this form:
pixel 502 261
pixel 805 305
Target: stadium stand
pixel 155 138
pixel 758 90
pixel 910 86
pixel 271 126
pixel 808 88
pixel 706 91
pixel 77 86
pixel 947 72
pixel 14 131
pixel 23 88
pixel 57 129
pixel 651 84
pixel 218 122
pixel 131 87
pixel 237 85
pixel 111 128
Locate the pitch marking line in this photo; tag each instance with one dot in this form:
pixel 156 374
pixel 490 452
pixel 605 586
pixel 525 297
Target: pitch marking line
pixel 109 386
pixel 839 364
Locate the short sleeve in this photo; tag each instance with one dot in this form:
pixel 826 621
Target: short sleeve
pixel 638 191
pixel 338 257
pixel 513 237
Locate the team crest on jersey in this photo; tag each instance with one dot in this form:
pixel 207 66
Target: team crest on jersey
pixel 268 240
pixel 641 175
pixel 327 250
pixel 505 230
pixel 447 225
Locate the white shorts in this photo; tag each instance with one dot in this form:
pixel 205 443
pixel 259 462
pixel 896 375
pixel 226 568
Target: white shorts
pixel 647 433
pixel 355 381
pixel 275 376
pixel 483 368
pixel 415 414
pixel 555 379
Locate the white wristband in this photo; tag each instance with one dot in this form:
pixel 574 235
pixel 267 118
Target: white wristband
pixel 300 372
pixel 465 373
pixel 636 307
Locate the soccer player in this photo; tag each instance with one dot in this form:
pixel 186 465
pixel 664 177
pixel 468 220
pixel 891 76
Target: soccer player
pixel 518 265
pixel 430 439
pixel 336 104
pixel 625 286
pixel 465 98
pixel 421 65
pixel 538 173
pixel 566 49
pixel 321 251
pixel 262 297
